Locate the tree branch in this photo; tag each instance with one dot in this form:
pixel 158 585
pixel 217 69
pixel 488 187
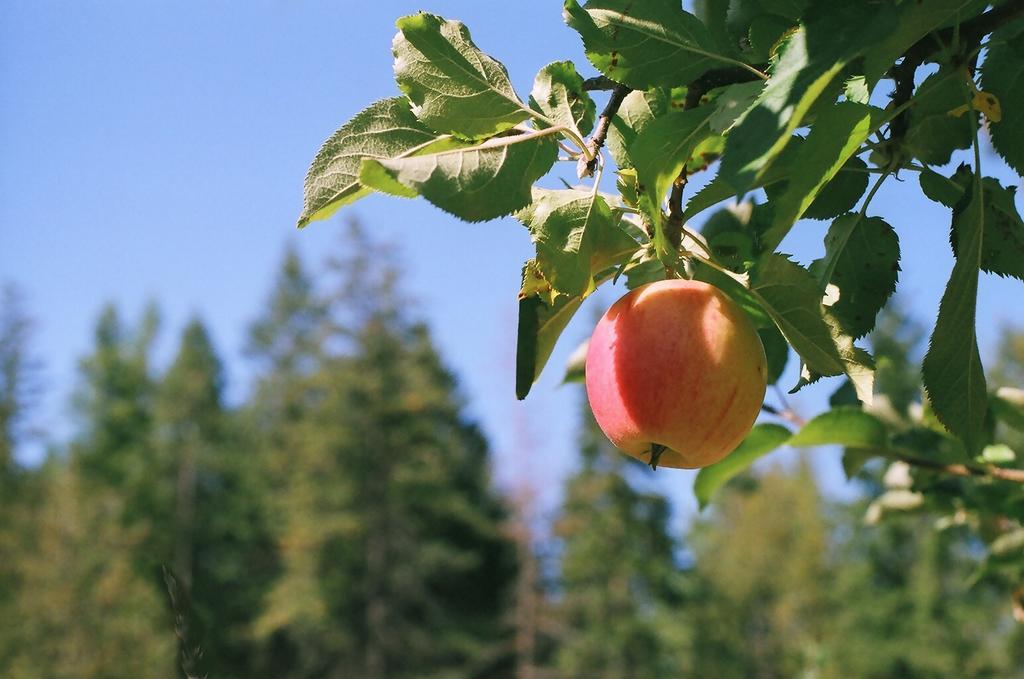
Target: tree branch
pixel 971 32
pixel 600 82
pixel 586 168
pixel 966 470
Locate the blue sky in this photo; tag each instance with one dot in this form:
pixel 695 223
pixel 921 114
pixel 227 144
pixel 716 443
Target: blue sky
pixel 156 150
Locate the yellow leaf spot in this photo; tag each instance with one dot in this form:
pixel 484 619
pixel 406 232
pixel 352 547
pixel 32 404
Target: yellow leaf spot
pixel 985 102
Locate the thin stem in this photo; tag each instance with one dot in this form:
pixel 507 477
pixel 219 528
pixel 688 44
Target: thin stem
pixel 957 469
pixel 588 165
pixel 697 240
pixel 901 455
pixel 716 266
pixel 575 153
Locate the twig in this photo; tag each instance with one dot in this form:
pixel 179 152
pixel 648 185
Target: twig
pixel 601 82
pixel 716 77
pixel 970 32
pixel 954 469
pixel 967 470
pixel 586 167
pixel 694 92
pixel 720 77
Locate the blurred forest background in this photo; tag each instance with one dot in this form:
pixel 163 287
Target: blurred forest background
pixel 342 522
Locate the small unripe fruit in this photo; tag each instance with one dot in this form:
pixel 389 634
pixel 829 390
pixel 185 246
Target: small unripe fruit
pixel 676 374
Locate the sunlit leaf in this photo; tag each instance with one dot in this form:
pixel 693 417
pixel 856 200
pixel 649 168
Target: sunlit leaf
pixel 564 225
pixel 559 95
pixel 473 183
pixel 454 87
pixel 661 151
pixel 645 44
pixel 386 129
pixel 847 426
pixel 637 109
pixel 808 61
pixel 835 137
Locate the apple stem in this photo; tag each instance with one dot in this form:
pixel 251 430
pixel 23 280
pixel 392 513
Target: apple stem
pixel 656 450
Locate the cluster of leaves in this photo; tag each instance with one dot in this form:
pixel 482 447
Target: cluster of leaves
pixel 777 96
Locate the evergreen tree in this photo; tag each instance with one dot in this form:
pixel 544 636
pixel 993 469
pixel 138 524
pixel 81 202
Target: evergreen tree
pixel 17 493
pixel 395 559
pixel 212 526
pixel 82 607
pixel 905 604
pixel 115 403
pixel 761 579
pixel 620 586
pixel 17 380
pixel 906 607
pixel 82 610
pixel 297 463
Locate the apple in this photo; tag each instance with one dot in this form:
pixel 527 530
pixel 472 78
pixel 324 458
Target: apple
pixel 676 374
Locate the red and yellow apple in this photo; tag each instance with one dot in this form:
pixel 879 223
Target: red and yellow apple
pixel 675 374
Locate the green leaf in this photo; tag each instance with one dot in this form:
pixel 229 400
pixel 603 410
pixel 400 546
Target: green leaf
pixel 664 146
pixel 660 152
pixel 953 375
pixel 733 101
pixel 1002 74
pixel 386 129
pixel 636 110
pixel 719 188
pixel 847 426
pixel 854 460
pixel 911 22
pixel 933 133
pixel 835 137
pixel 645 44
pixel 765 33
pixel 841 192
pixel 762 439
pixel 862 260
pixel 541 322
pixel 558 94
pixel 473 183
pixel 644 267
pixel 945 190
pixel 564 225
pixel 857 363
pixel 790 295
pixel 807 63
pixel 775 350
pixel 613 245
pixel 1003 238
pixel 790 9
pixel 454 87
pixel 1002 249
